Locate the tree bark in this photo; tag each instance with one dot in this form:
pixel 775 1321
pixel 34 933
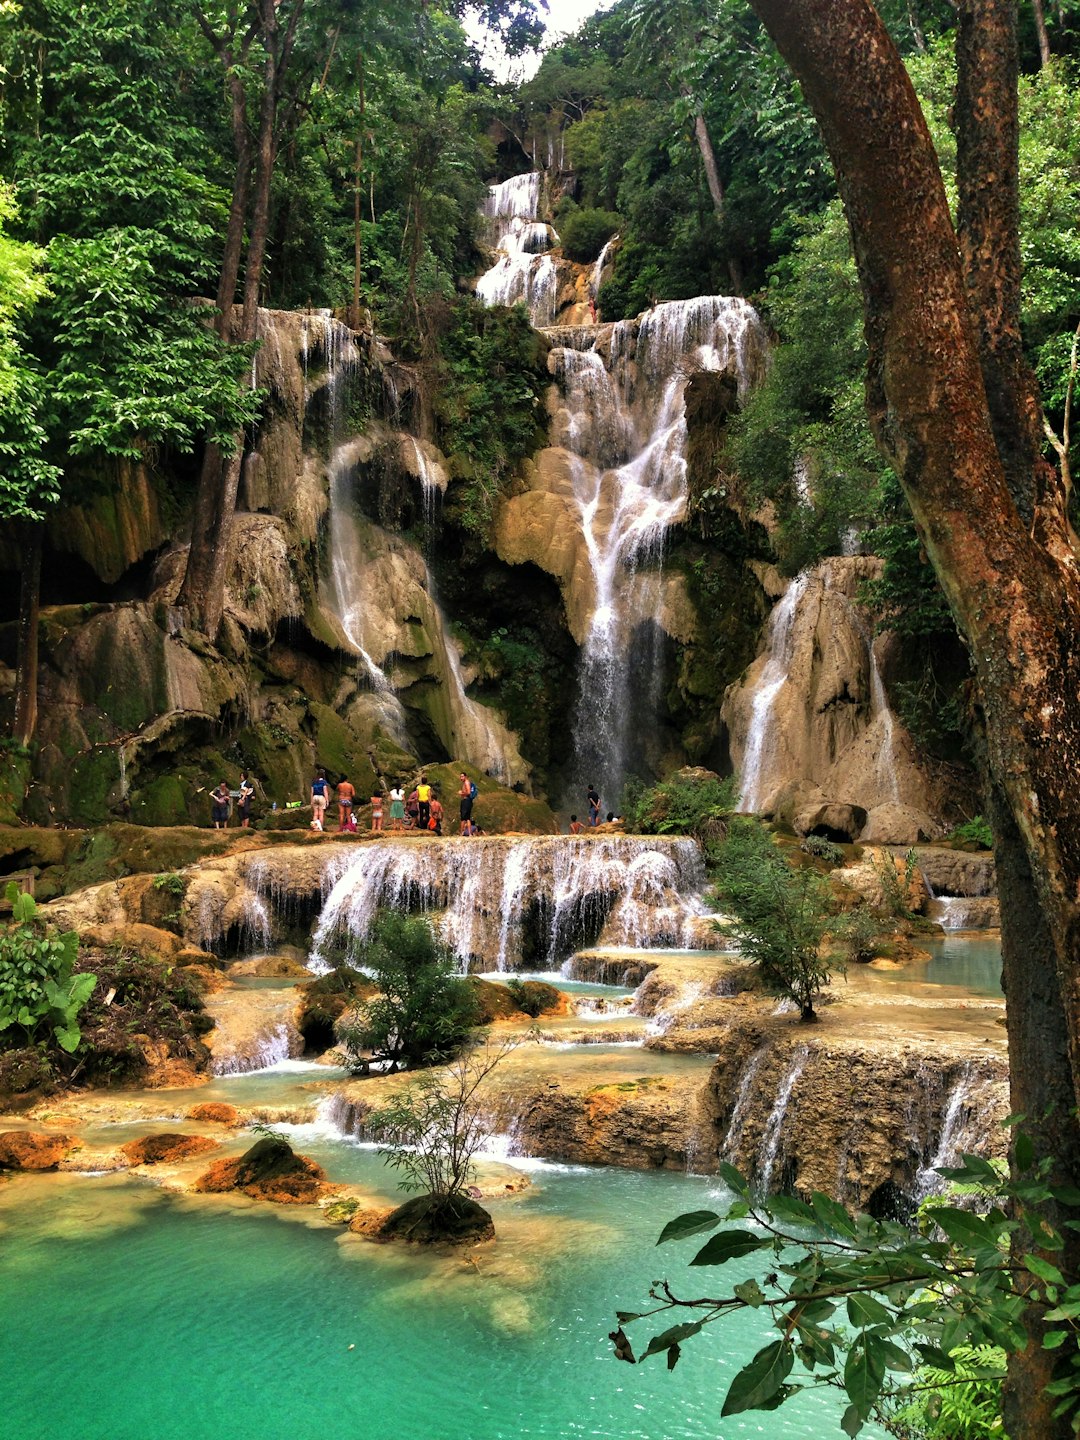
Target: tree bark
pixel 358 196
pixel 26 662
pixel 716 190
pixel 1041 31
pixel 1014 593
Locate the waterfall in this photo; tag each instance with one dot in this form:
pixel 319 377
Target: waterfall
pixel 729 1151
pixel 964 912
pixel 493 897
pixel 626 437
pixel 598 267
pixel 523 271
pixel 770 1140
pixel 954 1137
pixel 780 639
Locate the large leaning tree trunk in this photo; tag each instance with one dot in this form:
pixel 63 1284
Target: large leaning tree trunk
pixel 202 591
pixel 26 664
pixel 954 409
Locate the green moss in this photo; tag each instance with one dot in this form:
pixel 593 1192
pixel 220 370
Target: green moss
pixel 163 802
pixel 93 780
pixel 340 749
pixel 14 780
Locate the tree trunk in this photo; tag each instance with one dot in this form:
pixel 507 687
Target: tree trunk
pixel 358 187
pixel 1041 31
pixel 1014 594
pixel 716 190
pixel 26 662
pixel 202 593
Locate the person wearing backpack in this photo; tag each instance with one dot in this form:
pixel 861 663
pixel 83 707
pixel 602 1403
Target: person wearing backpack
pixel 467 794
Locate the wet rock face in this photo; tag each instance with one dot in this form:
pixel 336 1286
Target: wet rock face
pixel 34 1150
pixel 802 1114
pixel 954 872
pixel 812 709
pixel 270 1170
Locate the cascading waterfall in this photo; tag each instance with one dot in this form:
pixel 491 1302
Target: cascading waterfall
pixel 346 587
pixel 954 1137
pixel 494 895
pixel 598 267
pixel 626 439
pixel 780 635
pixel 524 270
pixel 770 1140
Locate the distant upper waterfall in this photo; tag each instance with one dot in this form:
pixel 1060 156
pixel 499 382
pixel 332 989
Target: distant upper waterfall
pixel 523 271
pixel 625 434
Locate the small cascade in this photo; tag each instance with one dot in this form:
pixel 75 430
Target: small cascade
pixel 964 912
pixel 498 899
pixel 524 270
pixel 742 1108
pixel 625 437
pixel 268 1049
pixel 430 488
pixel 770 1140
pixel 957 1134
pixel 779 641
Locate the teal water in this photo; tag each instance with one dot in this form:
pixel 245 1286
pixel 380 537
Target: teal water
pixel 969 962
pixel 560 982
pixel 130 1314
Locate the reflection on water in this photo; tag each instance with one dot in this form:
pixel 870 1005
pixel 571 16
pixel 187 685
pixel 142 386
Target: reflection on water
pixel 183 1317
pixel 966 962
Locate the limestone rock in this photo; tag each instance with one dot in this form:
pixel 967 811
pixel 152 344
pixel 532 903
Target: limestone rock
pixel 437 1219
pixel 270 1170
pixel 34 1149
pixel 812 707
pixel 166 1149
pixel 214 1112
pixel 834 820
pixel 966 913
pixel 892 824
pixel 955 872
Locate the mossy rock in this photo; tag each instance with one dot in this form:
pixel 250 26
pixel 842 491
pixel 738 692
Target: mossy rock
pixel 493 1000
pixel 93 785
pixel 14 783
pixel 341 750
pixel 163 802
pixel 438 1219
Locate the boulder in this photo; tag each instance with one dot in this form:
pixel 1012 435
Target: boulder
pixel 893 824
pixel 166 1149
pixel 270 1170
pixel 835 820
pixel 438 1219
pixel 34 1149
pixel 980 912
pixel 213 1112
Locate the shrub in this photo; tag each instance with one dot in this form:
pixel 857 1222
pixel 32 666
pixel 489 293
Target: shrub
pixel 781 916
pixel 425 1009
pixel 584 233
pixel 860 930
pixel 975 831
pixel 40 995
pixel 533 997
pixel 685 804
pixel 823 849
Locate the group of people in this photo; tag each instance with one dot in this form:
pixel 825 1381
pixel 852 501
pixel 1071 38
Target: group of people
pixel 221 798
pixel 592 798
pixel 420 810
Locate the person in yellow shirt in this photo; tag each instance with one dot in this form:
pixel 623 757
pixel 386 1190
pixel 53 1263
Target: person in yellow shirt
pixel 423 797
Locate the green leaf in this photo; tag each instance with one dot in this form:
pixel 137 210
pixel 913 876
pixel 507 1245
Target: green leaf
pixel 758 1382
pixel 1054 1339
pixel 1043 1269
pixel 750 1293
pixel 733 1179
pixel 852 1422
pixel 863 1310
pixel 729 1245
pixel 864 1373
pixel 68 1037
pixel 1024 1150
pixel 694 1222
pixel 831 1215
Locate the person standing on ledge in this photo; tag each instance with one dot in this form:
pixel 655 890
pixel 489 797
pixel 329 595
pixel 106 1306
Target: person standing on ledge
pixel 219 806
pixel 423 796
pixel 593 797
pixel 244 798
pixel 346 796
pixel 466 794
pixel 320 796
pixel 397 808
